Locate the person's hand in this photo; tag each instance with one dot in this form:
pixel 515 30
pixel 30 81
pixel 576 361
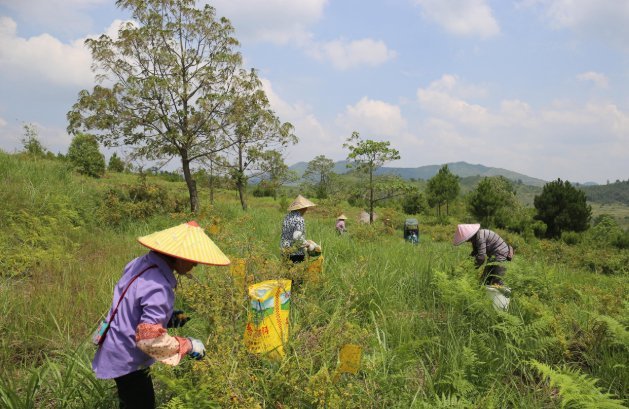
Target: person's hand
pixel 198 349
pixel 177 320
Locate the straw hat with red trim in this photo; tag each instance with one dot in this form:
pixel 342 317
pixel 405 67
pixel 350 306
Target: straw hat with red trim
pixel 300 203
pixel 187 241
pixel 342 217
pixel 464 232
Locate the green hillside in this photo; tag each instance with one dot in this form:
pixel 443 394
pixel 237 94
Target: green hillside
pixel 429 335
pixel 462 169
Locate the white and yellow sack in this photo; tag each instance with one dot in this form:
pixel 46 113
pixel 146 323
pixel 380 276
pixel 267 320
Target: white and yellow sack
pixel 267 323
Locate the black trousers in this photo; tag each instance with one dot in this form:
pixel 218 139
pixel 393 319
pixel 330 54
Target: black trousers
pixel 135 390
pixel 493 274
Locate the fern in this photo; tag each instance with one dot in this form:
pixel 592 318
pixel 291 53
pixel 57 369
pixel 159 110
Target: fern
pixel 576 390
pixel 174 403
pixel 618 334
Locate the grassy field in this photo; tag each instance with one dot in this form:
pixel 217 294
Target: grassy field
pixel 618 211
pixel 430 336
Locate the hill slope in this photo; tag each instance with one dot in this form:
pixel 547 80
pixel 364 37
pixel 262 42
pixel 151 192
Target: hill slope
pixel 462 169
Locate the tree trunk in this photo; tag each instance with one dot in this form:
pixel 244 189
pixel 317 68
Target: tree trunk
pixel 211 182
pixel 241 181
pixel 370 196
pixel 241 192
pixel 191 183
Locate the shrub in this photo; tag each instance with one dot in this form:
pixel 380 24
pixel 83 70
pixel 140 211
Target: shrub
pixel 137 202
pixel 115 163
pixel 570 237
pixel 84 155
pixel 414 203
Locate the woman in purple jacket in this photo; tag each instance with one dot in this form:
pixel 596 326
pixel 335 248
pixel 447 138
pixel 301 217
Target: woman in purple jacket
pixel 142 309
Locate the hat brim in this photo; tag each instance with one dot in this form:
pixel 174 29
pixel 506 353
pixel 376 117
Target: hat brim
pixel 187 242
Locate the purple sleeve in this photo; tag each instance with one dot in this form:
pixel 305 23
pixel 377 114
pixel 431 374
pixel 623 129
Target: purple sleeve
pixel 156 301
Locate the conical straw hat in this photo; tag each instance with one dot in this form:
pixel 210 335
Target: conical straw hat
pixel 187 241
pixel 342 217
pixel 300 203
pixel 464 232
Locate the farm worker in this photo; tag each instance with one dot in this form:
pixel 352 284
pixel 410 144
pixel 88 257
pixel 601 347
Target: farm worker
pixel 340 224
pixel 293 239
pixel 486 246
pixel 142 309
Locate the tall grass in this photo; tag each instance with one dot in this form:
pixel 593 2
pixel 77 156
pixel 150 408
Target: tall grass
pixel 430 336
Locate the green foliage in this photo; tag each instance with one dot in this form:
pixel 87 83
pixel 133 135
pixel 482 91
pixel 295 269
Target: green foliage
pixel 442 189
pixel 85 156
pixel 429 333
pixel 139 201
pixel 414 203
pixel 493 201
pixel 607 232
pixel 115 163
pixel 563 208
pixel 30 141
pixel 366 156
pixel 576 389
pixel 617 192
pixel 319 172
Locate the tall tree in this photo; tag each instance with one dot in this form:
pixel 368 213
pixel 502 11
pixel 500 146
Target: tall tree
pixel 276 172
pixel 562 207
pixel 492 201
pixel 172 76
pixel 443 188
pixel 367 156
pixel 256 132
pixel 319 171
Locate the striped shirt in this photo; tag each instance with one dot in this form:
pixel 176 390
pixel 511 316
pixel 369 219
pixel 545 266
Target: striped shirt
pixel 487 244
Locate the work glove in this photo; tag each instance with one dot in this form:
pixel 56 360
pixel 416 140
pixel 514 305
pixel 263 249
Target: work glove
pixel 198 349
pixel 177 320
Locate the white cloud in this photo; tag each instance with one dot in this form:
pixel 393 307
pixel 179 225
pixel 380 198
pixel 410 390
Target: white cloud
pixel 545 142
pixel 53 138
pixel 373 117
pixel 43 58
pixel 314 139
pixel 441 98
pixel 603 19
pixel 61 16
pixel 348 54
pixel 275 21
pixel 462 17
pixel 598 79
pixel 3 123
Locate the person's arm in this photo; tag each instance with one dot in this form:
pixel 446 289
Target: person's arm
pixel 151 337
pixel 480 246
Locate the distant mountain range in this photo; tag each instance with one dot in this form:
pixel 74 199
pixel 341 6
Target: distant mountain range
pixel 462 169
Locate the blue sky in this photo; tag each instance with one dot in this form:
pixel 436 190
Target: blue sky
pixel 540 87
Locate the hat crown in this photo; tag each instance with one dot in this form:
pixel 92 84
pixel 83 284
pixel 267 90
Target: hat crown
pixel 186 241
pixel 464 232
pixel 300 203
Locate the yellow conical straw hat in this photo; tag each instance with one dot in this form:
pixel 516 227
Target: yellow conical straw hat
pixel 300 203
pixel 187 241
pixel 342 217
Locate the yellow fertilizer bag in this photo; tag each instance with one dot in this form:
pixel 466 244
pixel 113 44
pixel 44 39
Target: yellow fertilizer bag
pixel 267 323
